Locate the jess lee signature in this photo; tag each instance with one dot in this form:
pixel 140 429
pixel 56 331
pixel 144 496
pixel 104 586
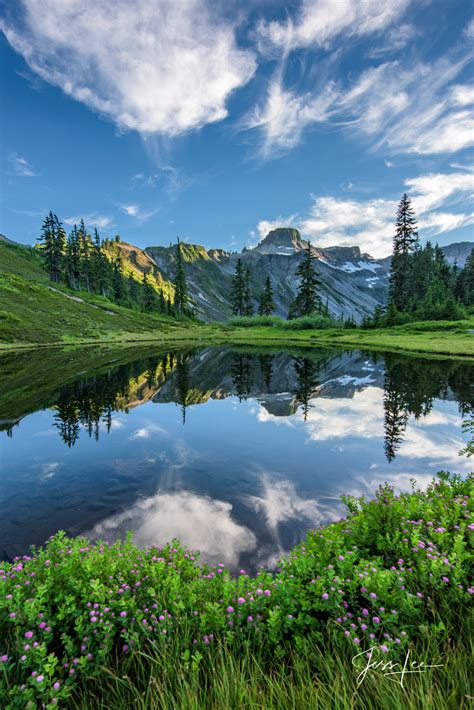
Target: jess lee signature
pixel 393 670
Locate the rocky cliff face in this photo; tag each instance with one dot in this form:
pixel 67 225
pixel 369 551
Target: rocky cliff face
pixel 458 252
pixel 353 283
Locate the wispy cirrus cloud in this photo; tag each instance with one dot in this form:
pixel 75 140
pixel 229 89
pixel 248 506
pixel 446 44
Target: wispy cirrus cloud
pixel 148 66
pixel 422 108
pixel 318 22
pixel 134 210
pixel 173 180
pixel 20 166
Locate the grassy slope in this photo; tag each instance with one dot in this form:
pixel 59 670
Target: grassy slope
pixel 32 314
pixel 135 263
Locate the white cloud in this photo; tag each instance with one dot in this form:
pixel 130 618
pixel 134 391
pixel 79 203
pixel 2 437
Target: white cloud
pixel 370 223
pixel 320 21
pixel 361 415
pixel 48 470
pixel 469 30
pixel 280 502
pixel 91 220
pixel 145 432
pixel 117 423
pixel 197 521
pixel 463 95
pixel 366 223
pixel 432 190
pixel 134 210
pixel 395 39
pixel 150 66
pixel 411 108
pixel 20 166
pixel 285 115
pixel 266 225
pixel 396 107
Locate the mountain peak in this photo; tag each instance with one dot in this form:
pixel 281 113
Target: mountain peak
pixel 283 240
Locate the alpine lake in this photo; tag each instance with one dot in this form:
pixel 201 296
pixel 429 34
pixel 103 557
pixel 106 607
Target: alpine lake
pixel 236 452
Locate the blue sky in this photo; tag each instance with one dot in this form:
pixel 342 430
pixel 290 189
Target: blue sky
pixel 216 121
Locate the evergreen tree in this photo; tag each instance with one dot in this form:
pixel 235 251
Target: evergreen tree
pixel 95 267
pixel 464 286
pixel 238 290
pixel 248 305
pixel 149 301
pixel 306 374
pixel 266 366
pixel 162 302
pixel 377 316
pixel 181 295
pixel 73 260
pixel 53 246
pixel 118 282
pixel 85 250
pixel 240 372
pixel 267 304
pixel 182 383
pixel 405 243
pixel 135 292
pixel 307 300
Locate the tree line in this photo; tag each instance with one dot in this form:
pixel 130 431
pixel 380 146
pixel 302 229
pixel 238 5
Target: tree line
pixel 422 284
pixel 307 301
pixel 85 262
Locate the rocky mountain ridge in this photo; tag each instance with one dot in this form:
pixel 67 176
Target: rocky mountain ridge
pixel 352 282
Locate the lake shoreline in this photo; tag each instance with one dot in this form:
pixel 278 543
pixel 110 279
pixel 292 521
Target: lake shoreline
pixel 442 343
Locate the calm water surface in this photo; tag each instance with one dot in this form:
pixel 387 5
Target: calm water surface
pixel 235 452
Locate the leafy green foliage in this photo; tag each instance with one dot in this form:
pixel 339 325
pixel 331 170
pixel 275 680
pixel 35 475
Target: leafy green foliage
pixel 394 572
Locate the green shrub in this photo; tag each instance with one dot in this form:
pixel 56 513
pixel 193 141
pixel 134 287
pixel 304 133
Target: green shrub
pixel 256 321
pixel 316 322
pixel 394 571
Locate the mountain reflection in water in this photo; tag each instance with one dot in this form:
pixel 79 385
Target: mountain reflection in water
pixel 235 452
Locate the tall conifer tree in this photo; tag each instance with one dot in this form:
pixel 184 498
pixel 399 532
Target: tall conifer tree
pixel 248 305
pixel 238 290
pixel 267 304
pixel 405 243
pixel 181 294
pixel 149 299
pixel 53 246
pixel 307 301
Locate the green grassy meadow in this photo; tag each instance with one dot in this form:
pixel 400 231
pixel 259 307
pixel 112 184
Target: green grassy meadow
pixel 34 312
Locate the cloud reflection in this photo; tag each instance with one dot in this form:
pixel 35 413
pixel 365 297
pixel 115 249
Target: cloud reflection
pixel 197 521
pixel 279 502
